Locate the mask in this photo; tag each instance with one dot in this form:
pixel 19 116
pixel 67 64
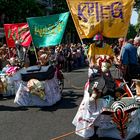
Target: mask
pixel 36 88
pixel 99 43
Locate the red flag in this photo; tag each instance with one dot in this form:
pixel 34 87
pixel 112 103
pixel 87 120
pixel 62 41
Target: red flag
pixel 19 31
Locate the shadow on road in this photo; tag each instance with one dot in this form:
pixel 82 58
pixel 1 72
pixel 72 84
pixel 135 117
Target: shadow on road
pixel 11 108
pixel 11 97
pixel 68 101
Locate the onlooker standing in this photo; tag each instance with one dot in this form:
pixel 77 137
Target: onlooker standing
pixel 129 60
pixel 138 49
pixel 60 57
pixel 68 57
pixel 32 57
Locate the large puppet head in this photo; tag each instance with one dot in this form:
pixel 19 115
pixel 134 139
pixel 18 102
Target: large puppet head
pixel 37 88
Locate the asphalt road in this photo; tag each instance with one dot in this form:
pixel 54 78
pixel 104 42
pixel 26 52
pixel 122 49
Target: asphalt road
pixel 32 123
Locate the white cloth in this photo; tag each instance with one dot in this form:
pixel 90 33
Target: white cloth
pixel 24 98
pixel 52 91
pixel 11 85
pixel 89 115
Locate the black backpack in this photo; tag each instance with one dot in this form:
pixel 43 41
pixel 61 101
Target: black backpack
pixel 40 73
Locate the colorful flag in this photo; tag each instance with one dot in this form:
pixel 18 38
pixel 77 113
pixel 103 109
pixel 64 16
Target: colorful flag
pixel 48 30
pixel 111 18
pixel 18 31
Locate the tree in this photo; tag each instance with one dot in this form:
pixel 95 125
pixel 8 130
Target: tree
pixel 60 7
pixel 131 32
pixel 137 27
pixel 18 10
pixel 137 5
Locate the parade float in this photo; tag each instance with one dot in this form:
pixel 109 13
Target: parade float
pixel 9 86
pixel 109 108
pixel 41 84
pixel 38 86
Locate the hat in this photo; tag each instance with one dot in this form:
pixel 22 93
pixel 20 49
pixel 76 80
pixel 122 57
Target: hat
pixel 98 37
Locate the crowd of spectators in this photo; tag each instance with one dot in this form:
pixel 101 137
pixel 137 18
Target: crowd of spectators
pixel 68 56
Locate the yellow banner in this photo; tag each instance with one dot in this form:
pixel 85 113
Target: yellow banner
pixel 111 18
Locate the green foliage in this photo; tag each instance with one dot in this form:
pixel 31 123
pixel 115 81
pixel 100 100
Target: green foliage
pixel 131 32
pixel 137 27
pixel 137 5
pixel 60 7
pixel 18 10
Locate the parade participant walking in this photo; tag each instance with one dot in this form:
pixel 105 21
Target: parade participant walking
pixel 100 56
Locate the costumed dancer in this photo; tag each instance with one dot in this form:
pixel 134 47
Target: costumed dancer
pixel 99 85
pixel 106 111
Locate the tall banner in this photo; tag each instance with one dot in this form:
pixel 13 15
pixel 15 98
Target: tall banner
pixel 18 31
pixel 48 30
pixel 111 18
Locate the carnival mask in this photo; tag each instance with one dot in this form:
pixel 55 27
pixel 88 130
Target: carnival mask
pixel 36 88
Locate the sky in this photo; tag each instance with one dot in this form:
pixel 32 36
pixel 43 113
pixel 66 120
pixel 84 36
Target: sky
pixel 134 18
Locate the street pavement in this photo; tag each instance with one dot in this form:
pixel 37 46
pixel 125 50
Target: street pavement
pixel 33 123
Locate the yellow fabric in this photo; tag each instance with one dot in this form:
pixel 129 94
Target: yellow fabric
pixel 111 18
pixel 96 52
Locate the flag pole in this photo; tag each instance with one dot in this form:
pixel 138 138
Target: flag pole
pixel 35 52
pixel 74 21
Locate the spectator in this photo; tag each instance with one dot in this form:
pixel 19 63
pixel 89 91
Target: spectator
pixel 60 57
pixel 32 57
pixel 68 57
pixel 129 60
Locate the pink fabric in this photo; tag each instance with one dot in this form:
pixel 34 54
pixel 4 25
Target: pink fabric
pixel 11 70
pixel 86 85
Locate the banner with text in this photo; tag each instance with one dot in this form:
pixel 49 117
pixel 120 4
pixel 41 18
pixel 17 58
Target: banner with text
pixel 18 31
pixel 48 30
pixel 111 18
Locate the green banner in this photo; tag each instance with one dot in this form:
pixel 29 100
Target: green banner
pixel 48 30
